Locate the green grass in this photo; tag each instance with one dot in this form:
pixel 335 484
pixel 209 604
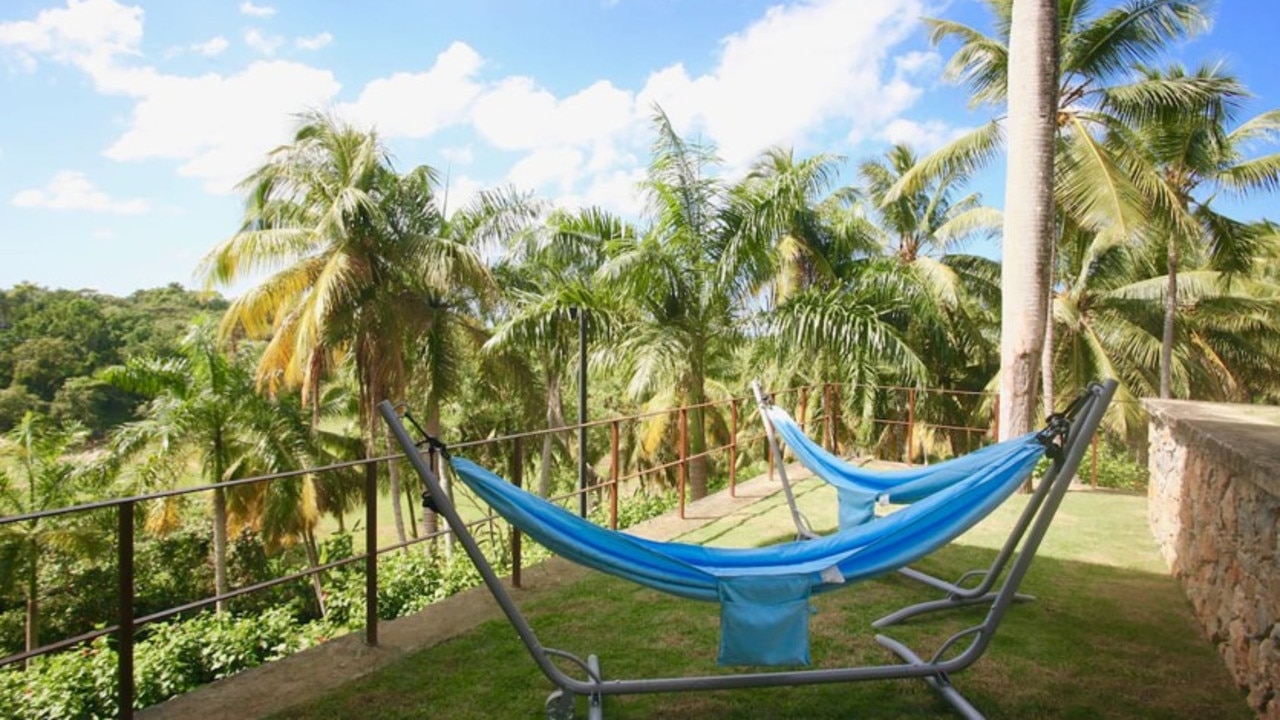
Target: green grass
pixel 1111 636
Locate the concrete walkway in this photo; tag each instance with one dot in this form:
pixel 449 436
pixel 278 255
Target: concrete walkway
pixel 756 513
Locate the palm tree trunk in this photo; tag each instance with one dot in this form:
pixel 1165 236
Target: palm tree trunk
pixel 397 503
pixel 431 521
pixel 1028 218
pixel 555 418
pixel 220 585
pixel 313 559
pixel 33 602
pixel 1170 313
pixel 1046 356
pixel 697 439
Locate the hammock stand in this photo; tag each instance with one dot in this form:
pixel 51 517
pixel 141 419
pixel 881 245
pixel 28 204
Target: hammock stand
pixel 936 671
pixel 820 462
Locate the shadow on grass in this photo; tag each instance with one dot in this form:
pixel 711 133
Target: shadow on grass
pixel 1102 642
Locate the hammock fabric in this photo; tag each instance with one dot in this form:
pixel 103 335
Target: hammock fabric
pixel 764 592
pixel 858 489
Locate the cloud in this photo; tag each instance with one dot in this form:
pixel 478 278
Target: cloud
pixel 105 234
pixel 315 42
pixel 265 44
pixel 262 11
pixel 794 72
pixel 85 33
pixel 211 47
pixel 923 137
pixel 415 105
pixel 221 126
pixel 71 190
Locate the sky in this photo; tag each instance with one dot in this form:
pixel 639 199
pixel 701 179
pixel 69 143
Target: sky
pixel 125 126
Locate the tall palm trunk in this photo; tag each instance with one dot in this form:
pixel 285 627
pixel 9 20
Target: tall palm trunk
pixel 697 436
pixel 33 601
pixel 1028 219
pixel 220 585
pixel 313 559
pixel 1170 313
pixel 430 520
pixel 555 419
pixel 1046 356
pixel 393 473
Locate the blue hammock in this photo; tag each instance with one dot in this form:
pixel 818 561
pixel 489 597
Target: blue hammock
pixel 764 592
pixel 858 489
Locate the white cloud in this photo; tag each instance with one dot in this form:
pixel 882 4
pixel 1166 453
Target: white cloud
pixel 923 137
pixel 71 190
pixel 464 155
pixel 265 44
pixel 315 42
pixel 85 33
pixel 791 73
pixel 262 11
pixel 918 62
pixel 551 166
pixel 517 114
pixel 211 47
pixel 105 234
pixel 418 104
pixel 221 126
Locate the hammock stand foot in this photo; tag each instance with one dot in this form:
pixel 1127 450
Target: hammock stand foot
pixel 940 682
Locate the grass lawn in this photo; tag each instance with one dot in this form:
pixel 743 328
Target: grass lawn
pixel 1111 636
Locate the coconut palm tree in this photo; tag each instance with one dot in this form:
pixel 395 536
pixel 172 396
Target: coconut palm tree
pixel 46 480
pixel 1089 93
pixel 1185 161
pixel 360 266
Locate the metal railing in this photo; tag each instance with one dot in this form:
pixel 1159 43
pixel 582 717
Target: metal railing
pixel 815 407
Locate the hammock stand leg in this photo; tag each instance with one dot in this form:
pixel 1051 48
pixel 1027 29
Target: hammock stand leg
pixel 936 671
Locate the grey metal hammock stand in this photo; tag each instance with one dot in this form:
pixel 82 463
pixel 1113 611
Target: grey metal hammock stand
pixel 936 671
pixel 957 593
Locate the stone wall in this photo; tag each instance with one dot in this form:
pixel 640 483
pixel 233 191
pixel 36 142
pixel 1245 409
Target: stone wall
pixel 1214 503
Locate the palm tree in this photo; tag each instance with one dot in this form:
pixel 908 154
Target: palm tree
pixel 1185 160
pixel 547 278
pixel 1090 96
pixel 1028 225
pixel 360 267
pixel 675 274
pixel 203 409
pixel 47 480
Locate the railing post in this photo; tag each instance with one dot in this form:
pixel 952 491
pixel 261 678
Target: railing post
pixel 517 479
pixel 733 447
pixel 802 408
pixel 911 421
pixel 124 635
pixel 1094 481
pixel 995 417
pixel 684 455
pixel 768 446
pixel 614 474
pixel 371 553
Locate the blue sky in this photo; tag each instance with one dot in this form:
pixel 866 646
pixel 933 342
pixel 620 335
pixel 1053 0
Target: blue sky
pixel 124 125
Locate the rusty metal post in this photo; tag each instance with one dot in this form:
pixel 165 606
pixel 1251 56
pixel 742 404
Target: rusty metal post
pixel 835 415
pixel 768 447
pixel 614 474
pixel 995 417
pixel 733 447
pixel 911 421
pixel 371 553
pixel 517 479
pixel 124 633
pixel 802 408
pixel 826 416
pixel 684 455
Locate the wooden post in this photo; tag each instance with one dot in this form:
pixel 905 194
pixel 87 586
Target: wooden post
pixel 371 553
pixel 911 421
pixel 517 479
pixel 684 455
pixel 733 447
pixel 1095 461
pixel 124 631
pixel 614 474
